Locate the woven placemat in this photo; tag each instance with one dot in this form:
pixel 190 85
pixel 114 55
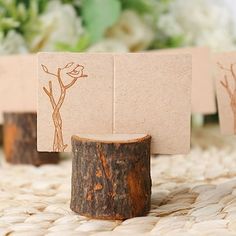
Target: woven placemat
pixel 191 195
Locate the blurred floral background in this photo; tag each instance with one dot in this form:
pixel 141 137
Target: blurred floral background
pixel 29 26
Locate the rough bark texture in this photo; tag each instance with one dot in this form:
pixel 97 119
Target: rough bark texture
pixel 111 180
pixel 20 140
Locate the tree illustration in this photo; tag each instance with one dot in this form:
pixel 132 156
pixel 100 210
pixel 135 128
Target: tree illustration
pixel 66 77
pixel 230 91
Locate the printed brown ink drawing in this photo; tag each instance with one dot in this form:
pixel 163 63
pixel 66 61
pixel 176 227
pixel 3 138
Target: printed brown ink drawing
pixel 66 77
pixel 230 91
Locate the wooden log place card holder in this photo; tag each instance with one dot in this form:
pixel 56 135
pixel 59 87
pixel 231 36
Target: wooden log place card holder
pixel 20 140
pixel 111 175
pixel 18 111
pixel 113 111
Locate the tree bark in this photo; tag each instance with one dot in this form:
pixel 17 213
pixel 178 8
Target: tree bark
pixel 111 176
pixel 20 140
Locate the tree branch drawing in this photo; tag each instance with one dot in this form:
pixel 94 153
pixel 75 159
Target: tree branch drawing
pixel 66 78
pixel 230 91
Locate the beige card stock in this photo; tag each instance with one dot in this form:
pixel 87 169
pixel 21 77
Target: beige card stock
pixel 18 76
pixel 81 86
pixel 225 79
pixel 152 95
pixel 105 93
pixel 203 92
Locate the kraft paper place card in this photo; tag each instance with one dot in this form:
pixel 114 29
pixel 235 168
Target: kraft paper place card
pixel 18 75
pixel 203 92
pixel 152 95
pixel 225 79
pixel 114 93
pixel 75 95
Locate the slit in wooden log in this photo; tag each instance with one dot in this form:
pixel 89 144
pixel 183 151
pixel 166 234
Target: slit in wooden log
pixel 20 140
pixel 111 175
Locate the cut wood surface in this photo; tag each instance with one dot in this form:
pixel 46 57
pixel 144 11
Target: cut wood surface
pixel 20 140
pixel 111 175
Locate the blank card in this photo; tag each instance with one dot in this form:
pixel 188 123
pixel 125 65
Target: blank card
pixel 203 92
pixel 152 95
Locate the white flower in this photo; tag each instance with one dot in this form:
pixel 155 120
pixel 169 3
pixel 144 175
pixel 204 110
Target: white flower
pixel 231 7
pixel 133 31
pixel 218 40
pixel 167 23
pixel 201 22
pixel 12 43
pixel 59 24
pixel 109 45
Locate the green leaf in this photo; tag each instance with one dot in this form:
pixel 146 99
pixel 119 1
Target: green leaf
pixel 99 15
pixel 80 46
pixel 176 41
pixel 171 42
pixel 8 23
pixel 140 6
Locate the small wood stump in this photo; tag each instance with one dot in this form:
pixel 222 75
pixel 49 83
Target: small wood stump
pixel 111 176
pixel 20 140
